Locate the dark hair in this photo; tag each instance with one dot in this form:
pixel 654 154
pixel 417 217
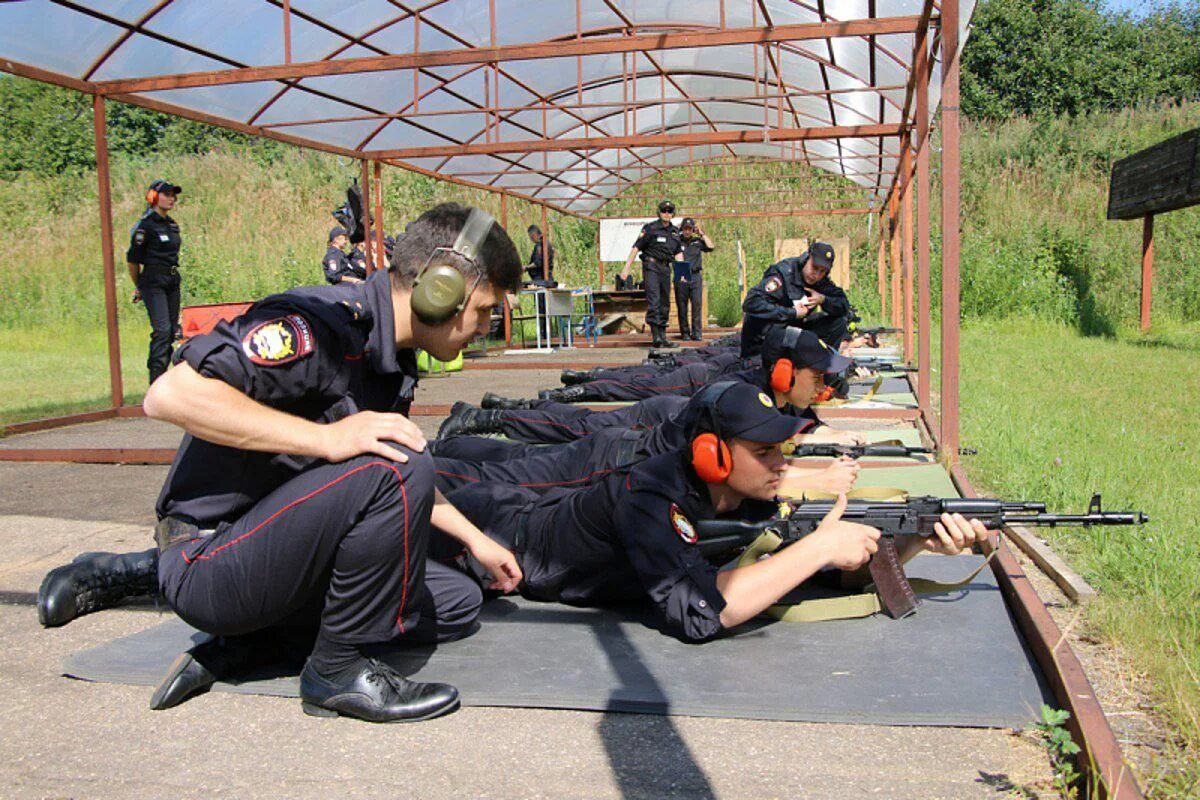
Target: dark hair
pixel 439 227
pixel 533 229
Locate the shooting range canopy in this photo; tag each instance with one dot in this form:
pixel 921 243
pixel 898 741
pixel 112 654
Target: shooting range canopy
pixel 565 103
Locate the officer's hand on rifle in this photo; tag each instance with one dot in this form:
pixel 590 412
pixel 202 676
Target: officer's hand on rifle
pixel 827 435
pixel 371 432
pixel 954 532
pixel 841 475
pixel 846 545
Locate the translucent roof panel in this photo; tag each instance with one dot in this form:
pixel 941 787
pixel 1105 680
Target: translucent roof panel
pixel 571 110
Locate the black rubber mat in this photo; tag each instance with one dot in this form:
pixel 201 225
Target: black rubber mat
pixel 958 661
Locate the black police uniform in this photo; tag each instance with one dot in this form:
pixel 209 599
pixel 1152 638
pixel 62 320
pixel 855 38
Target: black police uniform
pixel 545 467
pixel 684 380
pixel 301 542
pixel 691 292
pixel 154 243
pixel 335 265
pixel 536 269
pixel 549 422
pixel 770 303
pixel 358 264
pixel 657 244
pixel 622 541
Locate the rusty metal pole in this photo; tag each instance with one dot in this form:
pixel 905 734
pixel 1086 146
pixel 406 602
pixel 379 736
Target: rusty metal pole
pixel 366 200
pixel 950 232
pixel 1147 268
pixel 894 255
pixel 880 272
pixel 924 312
pixel 99 127
pixel 379 248
pixel 545 245
pixel 906 251
pixel 599 260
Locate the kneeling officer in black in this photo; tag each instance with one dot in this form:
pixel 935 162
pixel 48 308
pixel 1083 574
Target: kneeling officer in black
pixel 271 519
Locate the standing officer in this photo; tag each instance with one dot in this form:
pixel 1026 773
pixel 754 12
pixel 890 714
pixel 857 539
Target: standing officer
pixel 358 263
pixel 335 264
pixel 153 261
pixel 302 495
pixel 658 245
pixel 540 270
pixel 689 290
pixel 796 291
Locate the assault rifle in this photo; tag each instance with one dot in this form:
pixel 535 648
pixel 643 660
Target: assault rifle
pixel 719 539
pixel 892 448
pixel 877 365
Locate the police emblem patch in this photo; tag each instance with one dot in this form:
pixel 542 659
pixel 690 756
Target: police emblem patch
pixel 766 401
pixel 682 525
pixel 279 341
pixel 772 284
pixel 139 236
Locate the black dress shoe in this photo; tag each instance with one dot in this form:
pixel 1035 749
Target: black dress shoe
pixel 497 403
pixel 376 693
pixel 570 377
pixel 93 582
pixel 467 420
pixel 195 671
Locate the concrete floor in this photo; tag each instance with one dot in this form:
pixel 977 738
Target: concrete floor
pixel 65 738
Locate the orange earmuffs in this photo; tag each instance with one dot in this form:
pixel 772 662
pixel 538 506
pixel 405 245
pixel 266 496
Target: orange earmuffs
pixel 710 455
pixel 783 373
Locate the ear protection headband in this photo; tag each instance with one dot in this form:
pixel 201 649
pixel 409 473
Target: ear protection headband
pixel 440 291
pixel 710 455
pixel 783 373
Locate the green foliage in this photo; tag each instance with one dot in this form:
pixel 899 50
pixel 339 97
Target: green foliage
pixel 1055 57
pixel 1014 278
pixel 1061 748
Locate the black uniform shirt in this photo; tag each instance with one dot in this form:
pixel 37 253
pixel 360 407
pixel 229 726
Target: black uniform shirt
pixel 154 243
pixel 358 264
pixel 693 252
pixel 321 353
pixel 770 302
pixel 535 270
pixel 659 241
pixel 335 264
pixel 632 536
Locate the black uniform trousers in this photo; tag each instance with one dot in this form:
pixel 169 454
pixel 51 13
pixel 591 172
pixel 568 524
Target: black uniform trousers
pixel 657 277
pixel 554 423
pixel 544 467
pixel 341 548
pixel 160 294
pixel 690 293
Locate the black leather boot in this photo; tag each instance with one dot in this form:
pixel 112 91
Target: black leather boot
pixel 660 338
pixel 568 394
pixel 195 671
pixel 497 403
pixel 93 582
pixel 376 693
pixel 570 377
pixel 467 420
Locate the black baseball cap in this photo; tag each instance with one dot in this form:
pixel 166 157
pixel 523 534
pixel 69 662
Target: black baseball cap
pixel 336 232
pixel 821 255
pixel 666 207
pixel 803 348
pixel 744 411
pixel 688 222
pixel 166 187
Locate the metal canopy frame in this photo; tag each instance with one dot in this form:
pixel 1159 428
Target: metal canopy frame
pixel 608 95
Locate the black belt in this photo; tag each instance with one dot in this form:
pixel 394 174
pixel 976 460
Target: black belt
pixel 171 531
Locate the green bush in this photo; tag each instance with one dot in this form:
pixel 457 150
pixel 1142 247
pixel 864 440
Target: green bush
pixel 1005 278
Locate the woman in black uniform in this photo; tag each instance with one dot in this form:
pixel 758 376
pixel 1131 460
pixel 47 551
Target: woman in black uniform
pixel 153 260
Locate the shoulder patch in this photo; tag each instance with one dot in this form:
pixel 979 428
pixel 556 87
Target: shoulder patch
pixel 279 341
pixel 772 284
pixel 682 525
pixel 139 236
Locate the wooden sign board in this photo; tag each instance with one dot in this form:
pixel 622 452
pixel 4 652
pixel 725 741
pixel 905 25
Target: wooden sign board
pixel 790 248
pixel 1164 177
